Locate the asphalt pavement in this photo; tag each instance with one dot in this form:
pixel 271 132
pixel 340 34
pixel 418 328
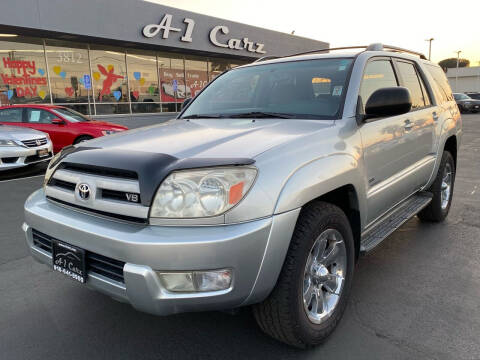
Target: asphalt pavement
pixel 417 296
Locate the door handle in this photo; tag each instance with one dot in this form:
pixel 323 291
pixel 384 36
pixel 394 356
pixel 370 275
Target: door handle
pixel 408 125
pixel 435 116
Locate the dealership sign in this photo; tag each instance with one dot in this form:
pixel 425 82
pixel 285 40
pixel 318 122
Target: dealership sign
pixel 165 27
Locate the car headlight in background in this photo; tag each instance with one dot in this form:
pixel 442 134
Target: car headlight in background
pixel 109 132
pixel 202 193
pixel 8 143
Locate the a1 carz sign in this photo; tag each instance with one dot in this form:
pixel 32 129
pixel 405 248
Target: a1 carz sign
pixel 165 26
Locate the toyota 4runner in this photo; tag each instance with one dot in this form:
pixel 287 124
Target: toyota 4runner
pixel 263 191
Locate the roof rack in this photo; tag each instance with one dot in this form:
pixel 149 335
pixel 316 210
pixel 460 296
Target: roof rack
pixel 371 47
pixel 265 58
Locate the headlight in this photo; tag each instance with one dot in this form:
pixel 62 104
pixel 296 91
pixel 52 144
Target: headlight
pixel 7 143
pixel 202 193
pixel 108 132
pixel 51 167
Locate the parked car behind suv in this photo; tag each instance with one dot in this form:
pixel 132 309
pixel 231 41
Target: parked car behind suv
pixel 466 103
pixel 21 147
pixel 264 191
pixel 65 126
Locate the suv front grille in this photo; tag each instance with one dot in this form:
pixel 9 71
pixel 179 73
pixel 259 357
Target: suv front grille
pixel 112 193
pixel 35 142
pixel 95 263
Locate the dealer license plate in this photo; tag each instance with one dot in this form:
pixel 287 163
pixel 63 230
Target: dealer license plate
pixel 42 152
pixel 70 261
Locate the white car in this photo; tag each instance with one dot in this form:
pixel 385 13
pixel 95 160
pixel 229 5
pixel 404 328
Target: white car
pixel 21 147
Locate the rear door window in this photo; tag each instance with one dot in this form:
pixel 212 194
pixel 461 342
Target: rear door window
pixel 378 74
pixel 411 81
pixel 11 115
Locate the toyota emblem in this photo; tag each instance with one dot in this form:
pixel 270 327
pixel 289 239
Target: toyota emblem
pixel 84 191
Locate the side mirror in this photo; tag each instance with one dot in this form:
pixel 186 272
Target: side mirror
pixel 186 102
pixel 389 101
pixel 58 121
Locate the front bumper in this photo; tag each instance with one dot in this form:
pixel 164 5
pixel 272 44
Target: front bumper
pixel 12 157
pixel 254 250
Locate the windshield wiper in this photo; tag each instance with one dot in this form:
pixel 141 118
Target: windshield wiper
pixel 202 116
pixel 262 114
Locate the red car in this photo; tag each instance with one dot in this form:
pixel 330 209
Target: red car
pixel 65 126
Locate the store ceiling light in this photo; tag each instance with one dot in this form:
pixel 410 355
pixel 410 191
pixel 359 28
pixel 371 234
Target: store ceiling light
pixel 8 35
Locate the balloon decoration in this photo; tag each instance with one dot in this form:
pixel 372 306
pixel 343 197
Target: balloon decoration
pixel 58 70
pixel 110 67
pixel 137 75
pixel 42 94
pixel 9 94
pixel 142 81
pixel 96 75
pixel 41 72
pixel 151 90
pixel 117 94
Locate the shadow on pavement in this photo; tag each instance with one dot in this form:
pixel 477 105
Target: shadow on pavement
pixel 27 171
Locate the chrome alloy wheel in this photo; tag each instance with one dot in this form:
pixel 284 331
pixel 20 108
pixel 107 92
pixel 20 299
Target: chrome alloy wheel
pixel 446 190
pixel 324 276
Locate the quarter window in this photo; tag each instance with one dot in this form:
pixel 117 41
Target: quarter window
pixel 11 115
pixel 378 74
pixel 443 91
pixel 412 83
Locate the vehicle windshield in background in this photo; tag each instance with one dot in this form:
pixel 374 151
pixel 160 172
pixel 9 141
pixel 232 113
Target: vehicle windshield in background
pixel 311 89
pixel 71 115
pixel 461 97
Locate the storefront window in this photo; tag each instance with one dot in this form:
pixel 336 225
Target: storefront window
pixel 172 82
pixel 196 72
pixel 69 73
pixel 23 75
pixel 143 82
pixel 216 67
pixel 110 85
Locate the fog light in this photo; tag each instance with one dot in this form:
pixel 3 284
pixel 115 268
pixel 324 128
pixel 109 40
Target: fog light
pixel 197 281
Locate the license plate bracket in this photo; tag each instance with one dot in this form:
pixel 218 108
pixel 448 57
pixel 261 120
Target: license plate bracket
pixel 69 260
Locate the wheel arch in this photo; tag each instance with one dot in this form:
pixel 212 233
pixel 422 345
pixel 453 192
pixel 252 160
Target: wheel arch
pixel 89 136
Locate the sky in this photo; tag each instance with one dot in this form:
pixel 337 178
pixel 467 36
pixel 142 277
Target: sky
pixel 405 23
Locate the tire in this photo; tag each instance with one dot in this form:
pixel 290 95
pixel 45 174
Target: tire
pixel 283 314
pixel 438 209
pixel 82 138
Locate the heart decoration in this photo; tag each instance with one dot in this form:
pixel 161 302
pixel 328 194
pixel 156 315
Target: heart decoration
pixel 42 94
pixel 9 94
pixel 135 94
pixel 110 67
pixel 57 69
pixel 69 91
pixel 96 75
pixel 137 75
pixel 117 94
pixel 63 74
pixel 151 90
pixel 41 72
pixel 142 81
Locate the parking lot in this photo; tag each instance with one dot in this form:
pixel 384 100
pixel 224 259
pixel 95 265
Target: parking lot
pixel 414 297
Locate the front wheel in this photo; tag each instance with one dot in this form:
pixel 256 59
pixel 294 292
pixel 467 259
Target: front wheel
pixel 311 294
pixel 442 189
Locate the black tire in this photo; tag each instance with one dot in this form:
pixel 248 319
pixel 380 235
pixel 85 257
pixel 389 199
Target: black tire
pixel 282 314
pixel 79 139
pixel 434 211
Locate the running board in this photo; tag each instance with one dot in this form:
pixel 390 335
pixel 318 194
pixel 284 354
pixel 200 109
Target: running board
pixel 396 218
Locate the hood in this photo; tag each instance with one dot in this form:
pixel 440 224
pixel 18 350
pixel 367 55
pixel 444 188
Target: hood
pixel 19 133
pixel 211 138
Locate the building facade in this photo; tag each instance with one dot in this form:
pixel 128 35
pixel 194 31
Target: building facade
pixel 465 79
pixel 114 58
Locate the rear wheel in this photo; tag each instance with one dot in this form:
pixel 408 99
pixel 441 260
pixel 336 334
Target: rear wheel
pixel 311 293
pixel 82 138
pixel 442 189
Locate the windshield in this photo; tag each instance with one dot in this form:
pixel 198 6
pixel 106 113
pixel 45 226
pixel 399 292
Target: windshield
pixel 312 89
pixel 71 115
pixel 461 97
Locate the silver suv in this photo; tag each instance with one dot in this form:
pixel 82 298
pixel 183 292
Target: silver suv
pixel 264 191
